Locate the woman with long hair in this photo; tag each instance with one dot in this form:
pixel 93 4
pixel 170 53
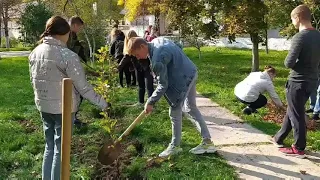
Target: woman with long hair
pixel 142 67
pixel 49 63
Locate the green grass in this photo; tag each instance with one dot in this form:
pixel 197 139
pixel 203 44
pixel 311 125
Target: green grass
pixel 220 69
pixel 16 49
pixel 22 142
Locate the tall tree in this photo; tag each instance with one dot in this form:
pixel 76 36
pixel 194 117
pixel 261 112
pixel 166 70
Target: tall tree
pixel 246 17
pixel 9 9
pixel 33 21
pixel 195 20
pixel 136 8
pixel 95 21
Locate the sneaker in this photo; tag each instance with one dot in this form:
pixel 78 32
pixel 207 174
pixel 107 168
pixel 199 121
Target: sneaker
pixel 315 117
pixel 203 148
pixel 309 111
pixel 278 145
pixel 171 150
pixel 138 104
pixel 247 111
pixel 78 123
pixel 293 151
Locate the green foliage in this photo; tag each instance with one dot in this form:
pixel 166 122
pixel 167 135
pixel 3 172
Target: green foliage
pixel 33 21
pixel 198 21
pixel 280 10
pixel 245 17
pixel 95 23
pixel 107 84
pixel 13 42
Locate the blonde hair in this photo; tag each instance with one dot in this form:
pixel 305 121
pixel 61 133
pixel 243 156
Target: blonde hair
pixel 130 34
pixel 134 44
pixel 114 33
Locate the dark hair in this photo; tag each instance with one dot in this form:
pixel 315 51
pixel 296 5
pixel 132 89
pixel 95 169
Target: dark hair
pixel 56 25
pixel 76 20
pixel 270 69
pixel 303 12
pixel 115 26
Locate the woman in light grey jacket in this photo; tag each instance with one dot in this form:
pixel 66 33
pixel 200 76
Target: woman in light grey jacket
pixel 250 90
pixel 50 62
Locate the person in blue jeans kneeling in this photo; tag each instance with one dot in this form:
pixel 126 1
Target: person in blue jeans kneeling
pixel 177 77
pixel 49 63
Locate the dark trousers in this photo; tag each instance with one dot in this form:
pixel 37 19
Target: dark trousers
pixel 259 103
pixel 297 95
pixel 128 76
pixel 145 79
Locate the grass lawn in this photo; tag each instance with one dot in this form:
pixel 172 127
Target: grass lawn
pixel 22 142
pixel 221 69
pixel 16 49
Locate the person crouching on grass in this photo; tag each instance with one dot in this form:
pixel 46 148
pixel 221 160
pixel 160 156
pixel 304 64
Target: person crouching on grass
pixel 177 77
pixel 249 91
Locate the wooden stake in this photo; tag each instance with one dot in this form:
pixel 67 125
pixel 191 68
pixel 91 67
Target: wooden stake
pixel 66 128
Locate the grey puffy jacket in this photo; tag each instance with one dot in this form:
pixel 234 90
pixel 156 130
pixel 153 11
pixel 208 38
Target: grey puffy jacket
pixel 49 63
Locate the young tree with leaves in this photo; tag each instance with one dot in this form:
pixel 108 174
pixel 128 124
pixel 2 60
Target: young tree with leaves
pixel 246 17
pixel 195 20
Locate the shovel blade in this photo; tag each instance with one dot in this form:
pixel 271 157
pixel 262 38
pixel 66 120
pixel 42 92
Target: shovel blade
pixel 109 152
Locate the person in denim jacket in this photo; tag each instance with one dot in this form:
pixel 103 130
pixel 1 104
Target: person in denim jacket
pixel 177 77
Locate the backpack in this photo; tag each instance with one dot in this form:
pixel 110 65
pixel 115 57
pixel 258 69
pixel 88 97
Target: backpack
pixel 119 48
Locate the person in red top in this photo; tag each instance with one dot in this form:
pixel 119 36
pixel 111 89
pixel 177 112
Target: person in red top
pixel 152 35
pixel 147 32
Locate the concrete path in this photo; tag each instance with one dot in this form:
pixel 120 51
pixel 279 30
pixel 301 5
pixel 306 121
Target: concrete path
pixel 14 53
pixel 250 150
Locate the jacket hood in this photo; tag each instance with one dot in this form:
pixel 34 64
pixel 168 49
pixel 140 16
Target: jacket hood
pixel 52 41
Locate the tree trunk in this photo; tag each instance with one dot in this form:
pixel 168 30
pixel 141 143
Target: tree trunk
pixel 0 25
pixel 5 23
pixel 157 21
pixel 255 52
pixel 267 44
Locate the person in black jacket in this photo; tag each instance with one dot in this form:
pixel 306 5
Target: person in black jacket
pixel 142 69
pixel 116 50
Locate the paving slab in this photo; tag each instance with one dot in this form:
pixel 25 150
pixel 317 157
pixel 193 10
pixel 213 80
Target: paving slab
pixel 249 150
pixel 265 162
pixel 237 133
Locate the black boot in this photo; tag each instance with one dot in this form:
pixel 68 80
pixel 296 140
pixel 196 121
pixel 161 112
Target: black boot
pixel 247 111
pixel 315 117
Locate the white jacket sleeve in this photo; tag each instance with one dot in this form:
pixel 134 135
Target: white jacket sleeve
pixel 75 71
pixel 273 95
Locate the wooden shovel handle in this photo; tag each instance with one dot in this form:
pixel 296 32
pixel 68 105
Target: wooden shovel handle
pixel 132 125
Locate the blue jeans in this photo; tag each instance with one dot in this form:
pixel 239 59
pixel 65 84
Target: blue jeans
pixel 52 124
pixel 189 106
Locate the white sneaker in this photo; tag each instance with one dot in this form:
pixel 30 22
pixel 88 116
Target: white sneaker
pixel 171 150
pixel 137 105
pixel 203 148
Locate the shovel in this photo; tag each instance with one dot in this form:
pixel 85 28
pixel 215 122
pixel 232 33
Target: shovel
pixel 110 151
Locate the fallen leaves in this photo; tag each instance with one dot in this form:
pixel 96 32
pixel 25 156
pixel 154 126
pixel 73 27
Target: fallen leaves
pixel 276 115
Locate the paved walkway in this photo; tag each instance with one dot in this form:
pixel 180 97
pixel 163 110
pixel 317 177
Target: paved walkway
pixel 250 150
pixel 14 53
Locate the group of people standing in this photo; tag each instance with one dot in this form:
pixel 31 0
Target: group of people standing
pixel 134 70
pixel 59 55
pixel 303 60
